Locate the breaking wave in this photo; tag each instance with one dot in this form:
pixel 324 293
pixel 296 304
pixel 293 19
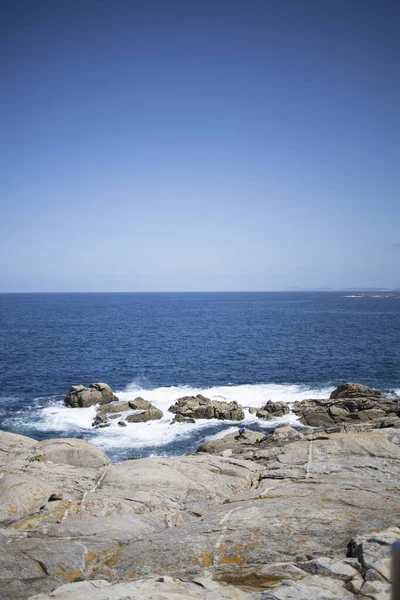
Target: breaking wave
pixel 158 437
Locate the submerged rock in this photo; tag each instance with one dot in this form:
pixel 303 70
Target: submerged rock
pixel 199 407
pixel 96 393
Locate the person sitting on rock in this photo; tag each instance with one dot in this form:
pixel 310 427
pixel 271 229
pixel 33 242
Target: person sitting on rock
pixel 241 435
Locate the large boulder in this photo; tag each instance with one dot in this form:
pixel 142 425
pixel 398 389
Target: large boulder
pixel 355 390
pixel 97 393
pixel 199 407
pixel 271 410
pixel 71 451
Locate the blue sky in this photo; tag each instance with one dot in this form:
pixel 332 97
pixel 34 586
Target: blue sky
pixel 217 145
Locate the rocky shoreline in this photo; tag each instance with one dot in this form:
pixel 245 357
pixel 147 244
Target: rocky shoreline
pixel 295 514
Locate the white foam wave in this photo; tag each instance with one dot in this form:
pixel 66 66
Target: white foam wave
pixel 60 418
pixel 247 394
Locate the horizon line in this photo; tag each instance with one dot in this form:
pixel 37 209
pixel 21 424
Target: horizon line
pixel 305 290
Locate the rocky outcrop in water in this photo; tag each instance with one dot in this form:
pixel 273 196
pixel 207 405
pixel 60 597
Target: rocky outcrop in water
pixel 97 393
pixel 355 390
pixel 349 402
pixel 150 414
pixel 199 407
pixel 271 410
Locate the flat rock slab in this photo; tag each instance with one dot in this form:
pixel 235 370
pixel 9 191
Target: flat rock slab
pixel 22 495
pixel 161 588
pixel 273 520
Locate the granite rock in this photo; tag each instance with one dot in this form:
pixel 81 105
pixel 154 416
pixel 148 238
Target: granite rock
pixel 96 393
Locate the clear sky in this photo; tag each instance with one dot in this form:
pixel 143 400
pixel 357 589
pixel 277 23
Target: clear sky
pixel 199 145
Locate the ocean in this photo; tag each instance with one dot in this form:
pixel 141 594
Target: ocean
pixel 250 347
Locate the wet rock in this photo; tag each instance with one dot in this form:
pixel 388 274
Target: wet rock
pixel 99 420
pixel 180 419
pixel 271 410
pixel 122 423
pixel 139 404
pixel 150 414
pixel 110 409
pixel 199 407
pixel 96 393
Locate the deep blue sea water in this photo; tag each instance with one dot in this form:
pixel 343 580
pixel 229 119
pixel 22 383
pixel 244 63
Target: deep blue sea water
pixel 244 346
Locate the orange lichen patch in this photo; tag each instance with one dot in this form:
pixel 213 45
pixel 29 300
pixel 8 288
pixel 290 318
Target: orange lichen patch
pixel 89 556
pixel 72 575
pixel 69 575
pixel 206 561
pixel 243 547
pixel 233 559
pixel 132 575
pixel 114 560
pixel 12 511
